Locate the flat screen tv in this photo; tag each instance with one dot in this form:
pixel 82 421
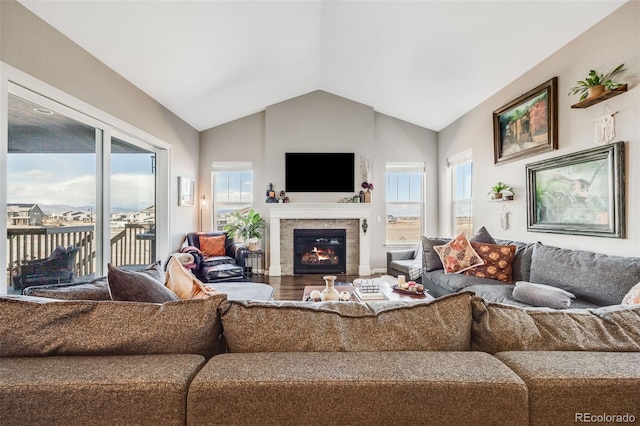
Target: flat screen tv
pixel 319 172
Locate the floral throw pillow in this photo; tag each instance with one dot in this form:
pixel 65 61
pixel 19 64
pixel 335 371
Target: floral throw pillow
pixel 633 297
pixel 458 255
pixel 212 245
pixel 497 262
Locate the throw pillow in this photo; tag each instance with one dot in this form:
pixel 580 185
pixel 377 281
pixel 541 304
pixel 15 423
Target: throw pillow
pixel 184 284
pixel 482 236
pixel 542 295
pixel 497 259
pixel 458 255
pixel 213 246
pixel 130 286
pixel 633 297
pixel 430 256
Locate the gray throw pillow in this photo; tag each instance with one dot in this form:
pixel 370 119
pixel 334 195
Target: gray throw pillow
pixel 431 258
pixel 542 295
pixel 482 236
pixel 137 287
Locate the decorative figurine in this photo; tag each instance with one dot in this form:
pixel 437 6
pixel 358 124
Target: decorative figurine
pixel 271 195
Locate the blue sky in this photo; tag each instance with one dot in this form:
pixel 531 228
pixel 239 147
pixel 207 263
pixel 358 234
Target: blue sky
pixel 70 179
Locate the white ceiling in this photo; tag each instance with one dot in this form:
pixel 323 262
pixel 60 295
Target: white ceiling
pixel 426 62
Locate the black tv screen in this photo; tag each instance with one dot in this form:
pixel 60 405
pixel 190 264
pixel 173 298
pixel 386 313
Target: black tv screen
pixel 319 172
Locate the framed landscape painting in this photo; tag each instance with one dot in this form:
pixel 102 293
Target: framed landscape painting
pixel 527 125
pixel 580 193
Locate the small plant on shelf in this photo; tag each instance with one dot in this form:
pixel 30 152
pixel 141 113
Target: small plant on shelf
pixel 596 83
pixel 498 188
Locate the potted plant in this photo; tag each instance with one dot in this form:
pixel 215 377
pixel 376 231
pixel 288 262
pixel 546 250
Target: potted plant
pixel 248 227
pixel 496 190
pixel 596 83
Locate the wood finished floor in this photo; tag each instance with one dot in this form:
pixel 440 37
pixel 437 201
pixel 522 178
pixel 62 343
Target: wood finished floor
pixel 291 287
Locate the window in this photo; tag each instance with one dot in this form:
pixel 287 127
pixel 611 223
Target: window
pixel 461 173
pixel 404 201
pixel 75 183
pixel 233 191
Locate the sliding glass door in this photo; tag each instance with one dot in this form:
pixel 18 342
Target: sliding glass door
pixel 79 194
pixel 133 203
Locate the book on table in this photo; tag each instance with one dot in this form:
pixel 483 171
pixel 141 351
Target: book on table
pixel 376 295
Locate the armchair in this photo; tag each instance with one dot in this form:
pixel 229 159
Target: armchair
pixel 405 262
pixel 217 257
pixel 57 268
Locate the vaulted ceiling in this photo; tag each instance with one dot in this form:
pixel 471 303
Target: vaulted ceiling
pixel 426 62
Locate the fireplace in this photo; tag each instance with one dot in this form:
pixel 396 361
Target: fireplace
pixel 319 251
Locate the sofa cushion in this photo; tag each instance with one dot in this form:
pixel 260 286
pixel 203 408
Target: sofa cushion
pixel 597 278
pixel 438 325
pixel 213 246
pixel 455 282
pixel 132 286
pixel 497 262
pixel 57 327
pixel 357 388
pixel 97 289
pixel 578 387
pixel 542 295
pixel 498 292
pixel 90 390
pixel 633 297
pixel 184 284
pixel 499 328
pixel 458 255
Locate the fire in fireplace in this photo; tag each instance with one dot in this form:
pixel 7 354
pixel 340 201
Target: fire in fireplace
pixel 319 251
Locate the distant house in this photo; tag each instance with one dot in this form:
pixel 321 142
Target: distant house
pixel 147 215
pixel 24 215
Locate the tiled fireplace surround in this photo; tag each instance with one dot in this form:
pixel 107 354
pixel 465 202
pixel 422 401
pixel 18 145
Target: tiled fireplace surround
pixel 284 218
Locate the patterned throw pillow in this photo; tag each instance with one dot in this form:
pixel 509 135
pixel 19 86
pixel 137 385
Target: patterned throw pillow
pixel 212 246
pixel 458 255
pixel 633 297
pixel 497 262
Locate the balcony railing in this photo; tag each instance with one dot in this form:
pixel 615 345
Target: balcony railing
pixel 134 245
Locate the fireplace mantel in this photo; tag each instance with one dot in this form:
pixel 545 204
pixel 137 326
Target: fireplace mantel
pixel 317 211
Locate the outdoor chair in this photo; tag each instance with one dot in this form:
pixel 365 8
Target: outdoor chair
pixel 57 268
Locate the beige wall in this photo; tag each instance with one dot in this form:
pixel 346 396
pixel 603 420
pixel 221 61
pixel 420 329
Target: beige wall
pixel 322 122
pixel 614 40
pixel 34 47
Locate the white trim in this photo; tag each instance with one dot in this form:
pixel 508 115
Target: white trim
pixel 461 157
pixel 4 147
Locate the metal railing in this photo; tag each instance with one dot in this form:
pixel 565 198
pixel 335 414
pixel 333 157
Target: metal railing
pixel 134 245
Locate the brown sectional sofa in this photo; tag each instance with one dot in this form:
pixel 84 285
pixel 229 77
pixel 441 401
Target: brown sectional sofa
pixel 455 360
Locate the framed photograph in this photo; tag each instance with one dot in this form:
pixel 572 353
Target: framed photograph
pixel 527 125
pixel 186 191
pixel 580 193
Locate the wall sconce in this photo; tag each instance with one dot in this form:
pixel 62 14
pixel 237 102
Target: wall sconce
pixel 365 226
pixel 203 205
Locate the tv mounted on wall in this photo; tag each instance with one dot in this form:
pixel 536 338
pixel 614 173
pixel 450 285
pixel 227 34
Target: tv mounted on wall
pixel 319 172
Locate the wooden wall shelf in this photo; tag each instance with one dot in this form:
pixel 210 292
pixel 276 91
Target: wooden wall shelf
pixel 597 99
